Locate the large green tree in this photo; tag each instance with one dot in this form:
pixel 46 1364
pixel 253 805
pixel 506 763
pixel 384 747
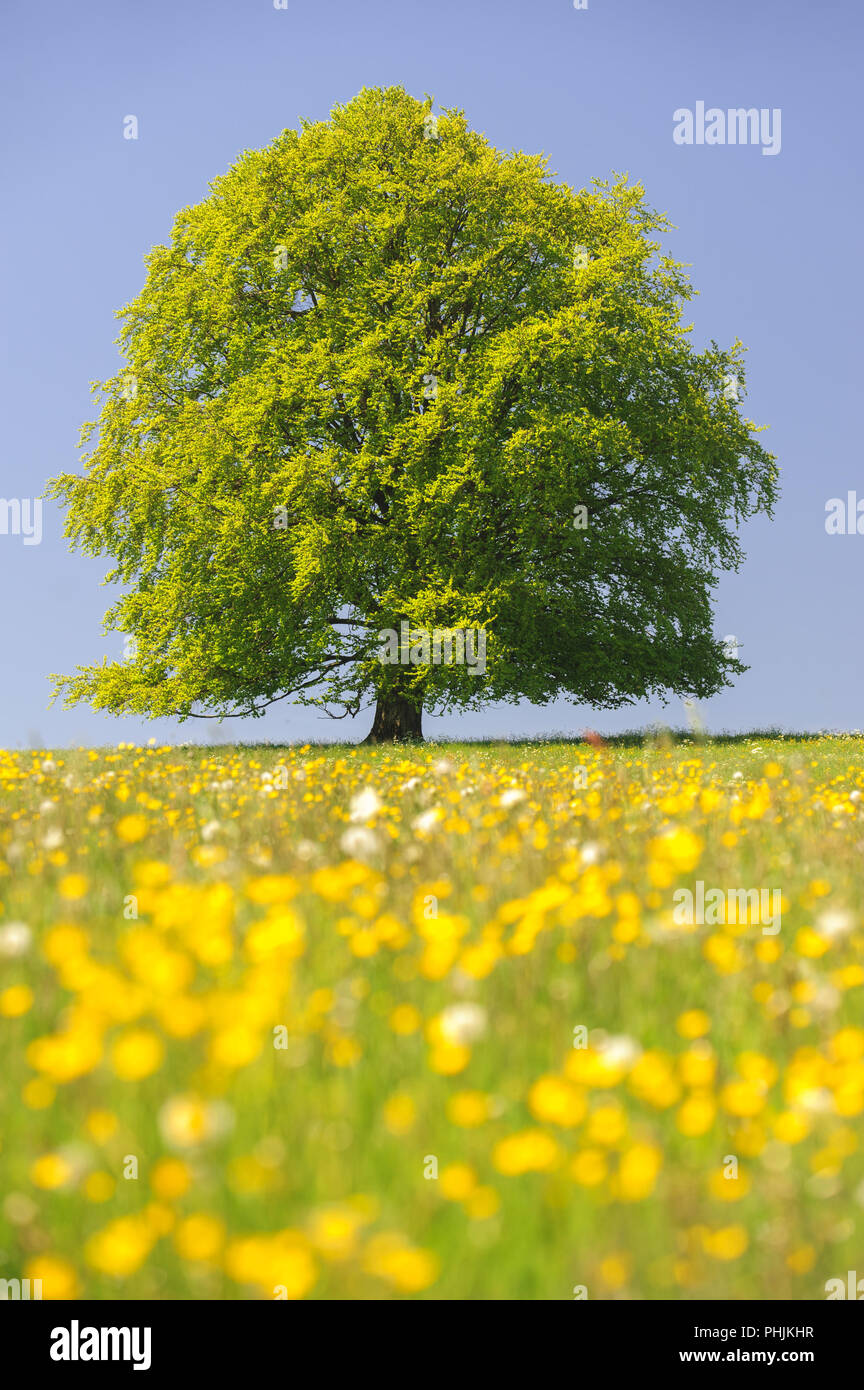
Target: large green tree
pixel 386 374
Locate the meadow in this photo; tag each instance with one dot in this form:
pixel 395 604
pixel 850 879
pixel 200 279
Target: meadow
pixel 353 1023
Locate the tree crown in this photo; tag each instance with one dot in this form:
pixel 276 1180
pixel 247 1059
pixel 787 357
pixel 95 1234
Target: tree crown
pixel 386 374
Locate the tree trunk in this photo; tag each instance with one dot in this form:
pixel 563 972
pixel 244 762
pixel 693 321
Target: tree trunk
pixel 397 720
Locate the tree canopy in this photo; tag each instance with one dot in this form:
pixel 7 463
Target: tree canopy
pixel 386 375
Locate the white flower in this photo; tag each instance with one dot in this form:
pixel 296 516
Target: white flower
pixel 427 820
pixel 48 765
pixel 815 1102
pixel 15 939
pixel 825 998
pixel 360 842
pixel 410 784
pixel 20 1209
pixel 52 839
pixel 210 831
pixel 591 852
pixel 46 807
pixel 443 766
pixel 186 1121
pixel 463 1023
pixel 619 1050
pixel 79 1159
pixel 834 922
pixel 511 797
pixel 365 805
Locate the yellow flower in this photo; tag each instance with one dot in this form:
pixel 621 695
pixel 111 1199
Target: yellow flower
pixel 607 1125
pixel 588 1167
pixel 743 1098
pixel 530 1151
pixel 637 1172
pixel 679 848
pixel 728 1243
pixel 848 1045
pixel 160 1219
pixel 447 1059
pixel 457 1181
pixel 199 1237
pixel 50 1171
pixel 170 1178
pixel 280 937
pixel 809 943
pixel 791 1127
pixel 272 888
pixel 728 1189
pixel 389 1256
pixel 63 942
pixel 482 1203
pixel 99 1187
pixel 615 1270
pixel 136 1054
pixel 723 953
pixel 152 873
pixel 206 856
pixel 589 1067
pixel 653 1080
pixel 186 1121
pixel 405 1019
pixel 753 1066
pixel 479 961
pixel 121 1247
pixel 333 1231
pixel 749 1138
pixel 468 1108
pixel 57 1275
pixel 557 1101
pixel 695 1023
pixel 72 887
pixel 400 1113
pixel 697 1114
pixel 344 1052
pixel 281 1265
pixel 698 1065
pixel 16 1001
pixel 768 949
pixel 802 1259
pixel 235 1047
pixel 131 829
pixel 101 1124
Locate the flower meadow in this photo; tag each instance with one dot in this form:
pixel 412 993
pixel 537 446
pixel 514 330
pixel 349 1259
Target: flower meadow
pixel 353 1023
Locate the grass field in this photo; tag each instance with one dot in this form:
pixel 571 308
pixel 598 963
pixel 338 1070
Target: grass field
pixel 352 1023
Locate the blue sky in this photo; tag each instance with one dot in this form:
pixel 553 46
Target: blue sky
pixel 774 243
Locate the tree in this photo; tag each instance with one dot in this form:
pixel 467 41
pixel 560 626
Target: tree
pixel 388 380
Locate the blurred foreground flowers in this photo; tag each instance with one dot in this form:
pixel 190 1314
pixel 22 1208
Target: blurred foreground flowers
pixel 372 1024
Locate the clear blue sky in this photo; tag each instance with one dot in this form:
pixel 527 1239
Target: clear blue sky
pixel 774 244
